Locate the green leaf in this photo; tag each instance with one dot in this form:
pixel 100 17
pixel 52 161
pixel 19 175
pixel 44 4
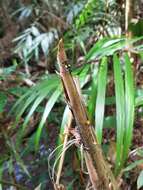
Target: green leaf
pixel 29 42
pixel 140 180
pixel 17 106
pixel 9 70
pixel 47 111
pixel 133 165
pixel 45 87
pixel 108 46
pixel 110 100
pixel 130 106
pixel 3 101
pixel 105 47
pixel 64 119
pixel 110 122
pixel 100 101
pixel 93 52
pixel 136 28
pixel 71 184
pixel 17 157
pixel 38 100
pixel 45 45
pixel 62 128
pixel 1 174
pixel 120 113
pixel 21 109
pixel 92 96
pixel 139 101
pixel 18 91
pixel 35 31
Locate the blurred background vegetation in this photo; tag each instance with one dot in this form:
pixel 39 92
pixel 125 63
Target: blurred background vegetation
pixel 103 40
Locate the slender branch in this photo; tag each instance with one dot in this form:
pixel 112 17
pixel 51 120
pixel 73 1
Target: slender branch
pixel 129 11
pixel 60 166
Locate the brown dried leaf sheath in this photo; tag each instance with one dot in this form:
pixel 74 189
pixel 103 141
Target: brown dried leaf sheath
pixel 93 149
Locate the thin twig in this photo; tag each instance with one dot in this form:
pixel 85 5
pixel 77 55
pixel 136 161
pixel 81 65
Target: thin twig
pixel 60 166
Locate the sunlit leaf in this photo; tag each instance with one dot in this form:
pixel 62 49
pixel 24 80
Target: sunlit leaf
pixel 108 46
pixel 133 165
pixel 120 110
pixel 130 104
pixel 140 180
pixel 100 101
pixel 29 41
pixel 42 89
pixel 34 106
pixel 47 110
pixel 35 31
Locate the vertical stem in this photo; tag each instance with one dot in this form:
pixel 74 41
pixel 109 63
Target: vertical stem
pixel 86 131
pixel 60 166
pixel 129 11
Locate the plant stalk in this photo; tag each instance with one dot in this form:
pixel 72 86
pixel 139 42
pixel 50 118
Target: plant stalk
pixel 88 137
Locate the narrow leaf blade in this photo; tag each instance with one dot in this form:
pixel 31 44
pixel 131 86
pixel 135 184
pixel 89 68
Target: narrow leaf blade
pixel 47 110
pixel 130 105
pixel 100 102
pixel 120 116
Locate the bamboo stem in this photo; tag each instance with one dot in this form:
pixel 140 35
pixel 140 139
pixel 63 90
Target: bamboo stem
pixel 88 138
pixel 128 16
